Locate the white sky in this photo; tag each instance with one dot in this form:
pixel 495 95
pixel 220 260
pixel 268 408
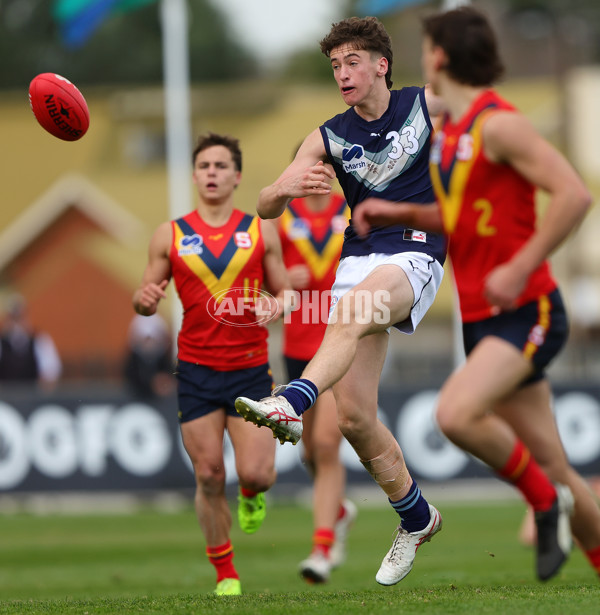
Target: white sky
pixel 274 28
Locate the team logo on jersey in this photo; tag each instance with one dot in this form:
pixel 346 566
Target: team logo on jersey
pixel 352 158
pixel 339 224
pixel 464 150
pixel 298 229
pixel 190 244
pixel 242 239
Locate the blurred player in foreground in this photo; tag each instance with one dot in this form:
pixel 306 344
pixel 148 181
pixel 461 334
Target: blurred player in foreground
pixel 486 163
pixel 312 232
pixel 219 258
pixel 379 146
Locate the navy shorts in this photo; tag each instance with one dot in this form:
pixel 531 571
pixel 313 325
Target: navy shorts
pixel 294 367
pixel 538 329
pixel 202 390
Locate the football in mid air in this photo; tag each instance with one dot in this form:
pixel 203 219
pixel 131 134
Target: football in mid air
pixel 59 106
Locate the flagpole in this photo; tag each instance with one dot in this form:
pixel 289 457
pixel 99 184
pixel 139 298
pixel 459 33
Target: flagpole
pixel 176 78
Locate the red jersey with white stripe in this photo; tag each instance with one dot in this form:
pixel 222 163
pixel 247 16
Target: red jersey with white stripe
pixel 218 273
pixel 314 239
pixel 488 209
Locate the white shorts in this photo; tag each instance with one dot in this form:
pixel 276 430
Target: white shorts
pixel 423 271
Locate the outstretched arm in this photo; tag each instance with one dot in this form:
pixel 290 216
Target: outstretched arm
pixel 378 212
pixel 305 176
pixel 157 273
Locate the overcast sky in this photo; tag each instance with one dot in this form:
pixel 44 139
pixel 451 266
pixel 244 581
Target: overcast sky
pixel 274 28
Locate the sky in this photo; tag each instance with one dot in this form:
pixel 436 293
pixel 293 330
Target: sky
pixel 275 28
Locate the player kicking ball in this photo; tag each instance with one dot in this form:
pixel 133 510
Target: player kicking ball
pixel 379 146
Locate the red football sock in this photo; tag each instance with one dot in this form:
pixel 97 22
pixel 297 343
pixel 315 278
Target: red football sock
pixel 593 556
pixel 323 540
pixel 525 474
pixel 341 512
pixel 221 558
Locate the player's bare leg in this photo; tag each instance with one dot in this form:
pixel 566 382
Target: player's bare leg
pixel 530 415
pixel 381 455
pixel 490 376
pixel 255 467
pixel 357 314
pixel 203 441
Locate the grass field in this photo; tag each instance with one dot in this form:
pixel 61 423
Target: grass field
pixel 153 562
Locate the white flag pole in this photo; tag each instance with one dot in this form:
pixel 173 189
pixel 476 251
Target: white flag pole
pixel 176 78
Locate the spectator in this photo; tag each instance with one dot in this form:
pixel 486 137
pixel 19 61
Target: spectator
pixel 149 364
pixel 26 355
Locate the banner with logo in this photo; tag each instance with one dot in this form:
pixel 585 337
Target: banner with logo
pixel 99 440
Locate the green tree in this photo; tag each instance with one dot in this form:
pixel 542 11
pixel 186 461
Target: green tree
pixel 127 48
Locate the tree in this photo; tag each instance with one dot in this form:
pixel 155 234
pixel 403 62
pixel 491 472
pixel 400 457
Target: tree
pixel 126 49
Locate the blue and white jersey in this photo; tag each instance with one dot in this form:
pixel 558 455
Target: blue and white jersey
pixel 387 158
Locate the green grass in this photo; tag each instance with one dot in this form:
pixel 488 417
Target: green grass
pixel 152 562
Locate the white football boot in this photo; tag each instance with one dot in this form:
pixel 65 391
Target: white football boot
pixel 316 568
pixel 274 412
pixel 400 558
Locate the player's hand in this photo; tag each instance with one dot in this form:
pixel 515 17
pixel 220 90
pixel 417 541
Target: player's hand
pixel 299 276
pixel 372 212
pixel 503 286
pixel 149 296
pixel 267 308
pixel 313 180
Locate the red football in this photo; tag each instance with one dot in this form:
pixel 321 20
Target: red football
pixel 59 106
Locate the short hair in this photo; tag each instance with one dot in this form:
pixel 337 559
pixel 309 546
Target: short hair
pixel 366 33
pixel 469 42
pixel 210 139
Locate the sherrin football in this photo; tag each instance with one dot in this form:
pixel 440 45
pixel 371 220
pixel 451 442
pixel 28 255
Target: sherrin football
pixel 59 106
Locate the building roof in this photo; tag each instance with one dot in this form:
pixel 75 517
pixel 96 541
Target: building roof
pixel 71 190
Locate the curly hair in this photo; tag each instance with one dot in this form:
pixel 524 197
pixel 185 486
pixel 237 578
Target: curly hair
pixel 210 139
pixel 366 33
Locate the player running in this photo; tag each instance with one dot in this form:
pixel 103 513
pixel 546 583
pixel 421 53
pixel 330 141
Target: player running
pixel 219 256
pixel 486 164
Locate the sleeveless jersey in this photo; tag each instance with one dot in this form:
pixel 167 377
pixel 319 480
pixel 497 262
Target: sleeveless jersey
pixel 488 209
pixel 385 158
pixel 218 272
pixel 314 239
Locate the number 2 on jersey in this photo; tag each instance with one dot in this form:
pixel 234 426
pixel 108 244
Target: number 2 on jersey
pixel 484 228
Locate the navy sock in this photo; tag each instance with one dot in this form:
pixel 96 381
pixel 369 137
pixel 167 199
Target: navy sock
pixel 302 394
pixel 413 510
